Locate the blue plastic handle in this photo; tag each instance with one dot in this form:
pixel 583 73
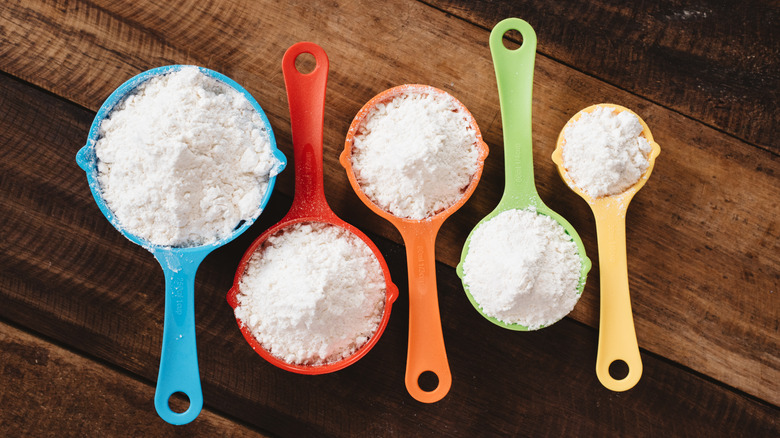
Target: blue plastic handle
pixel 179 357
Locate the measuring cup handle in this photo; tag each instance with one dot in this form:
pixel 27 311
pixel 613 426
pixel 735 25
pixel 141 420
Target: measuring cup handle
pixel 515 80
pixel 179 357
pixel 617 336
pixel 426 342
pixel 306 96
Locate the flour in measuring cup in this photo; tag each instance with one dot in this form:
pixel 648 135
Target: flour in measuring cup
pixel 604 153
pixel 312 294
pixel 415 155
pixel 522 268
pixel 184 159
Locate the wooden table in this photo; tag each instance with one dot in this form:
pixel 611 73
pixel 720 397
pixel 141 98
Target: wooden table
pixel 81 307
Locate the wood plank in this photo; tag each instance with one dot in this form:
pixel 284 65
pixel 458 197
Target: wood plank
pixel 700 230
pixel 711 61
pixel 65 272
pixel 51 391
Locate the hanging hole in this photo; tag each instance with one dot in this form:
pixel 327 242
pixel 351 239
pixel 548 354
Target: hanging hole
pixel 179 402
pixel 513 39
pixel 618 370
pixel 428 381
pixel 240 224
pixel 305 63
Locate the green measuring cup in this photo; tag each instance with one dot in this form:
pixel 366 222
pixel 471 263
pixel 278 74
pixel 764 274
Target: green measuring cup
pixel 514 75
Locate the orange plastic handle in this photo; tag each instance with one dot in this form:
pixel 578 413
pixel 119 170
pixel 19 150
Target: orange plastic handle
pixel 426 352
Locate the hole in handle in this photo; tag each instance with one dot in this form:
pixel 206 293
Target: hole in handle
pixel 618 369
pixel 178 402
pixel 428 381
pixel 305 63
pixel 512 39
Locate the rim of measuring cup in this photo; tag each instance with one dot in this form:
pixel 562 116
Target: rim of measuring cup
pixel 391 294
pixel 87 159
pixel 346 156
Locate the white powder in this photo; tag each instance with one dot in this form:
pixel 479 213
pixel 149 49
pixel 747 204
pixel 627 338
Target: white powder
pixel 312 294
pixel 604 153
pixel 414 156
pixel 522 268
pixel 184 159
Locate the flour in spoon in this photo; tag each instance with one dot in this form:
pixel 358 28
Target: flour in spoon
pixel 184 159
pixel 523 268
pixel 312 294
pixel 415 155
pixel 604 152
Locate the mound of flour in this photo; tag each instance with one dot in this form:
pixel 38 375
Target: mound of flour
pixel 522 268
pixel 312 294
pixel 604 153
pixel 184 159
pixel 415 155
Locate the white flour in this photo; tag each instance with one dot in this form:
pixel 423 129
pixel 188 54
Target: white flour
pixel 312 294
pixel 184 159
pixel 414 156
pixel 522 268
pixel 603 152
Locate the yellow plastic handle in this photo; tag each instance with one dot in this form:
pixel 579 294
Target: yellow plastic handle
pixel 617 337
pixel 426 342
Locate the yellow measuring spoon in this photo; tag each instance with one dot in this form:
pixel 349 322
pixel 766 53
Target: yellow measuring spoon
pixel 617 337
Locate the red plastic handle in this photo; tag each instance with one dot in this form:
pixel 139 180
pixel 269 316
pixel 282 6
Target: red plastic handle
pixel 306 95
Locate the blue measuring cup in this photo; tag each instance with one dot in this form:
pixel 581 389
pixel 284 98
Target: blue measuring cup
pixel 179 358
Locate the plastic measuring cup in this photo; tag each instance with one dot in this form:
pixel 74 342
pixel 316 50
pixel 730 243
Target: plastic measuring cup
pixel 306 94
pixel 514 75
pixel 179 358
pixel 617 337
pixel 426 352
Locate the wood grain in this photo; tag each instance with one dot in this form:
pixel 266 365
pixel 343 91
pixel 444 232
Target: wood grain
pixel 66 272
pixel 709 60
pixel 703 237
pixel 49 391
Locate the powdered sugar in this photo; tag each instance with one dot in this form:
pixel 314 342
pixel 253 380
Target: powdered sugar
pixel 312 294
pixel 415 155
pixel 604 153
pixel 184 159
pixel 522 268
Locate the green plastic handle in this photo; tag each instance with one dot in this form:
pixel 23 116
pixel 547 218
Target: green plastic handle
pixel 515 78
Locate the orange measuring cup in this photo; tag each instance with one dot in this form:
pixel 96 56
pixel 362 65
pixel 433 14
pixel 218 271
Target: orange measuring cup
pixel 426 352
pixel 306 95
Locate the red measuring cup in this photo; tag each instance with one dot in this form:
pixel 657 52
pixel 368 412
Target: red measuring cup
pixel 306 95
